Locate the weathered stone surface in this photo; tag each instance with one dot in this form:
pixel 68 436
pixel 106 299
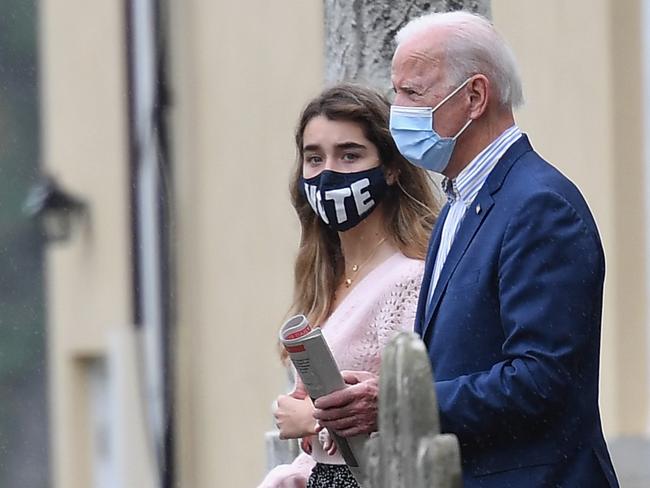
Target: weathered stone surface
pixel 439 462
pixel 410 451
pixel 359 35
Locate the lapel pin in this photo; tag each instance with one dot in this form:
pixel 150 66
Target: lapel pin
pixel 478 209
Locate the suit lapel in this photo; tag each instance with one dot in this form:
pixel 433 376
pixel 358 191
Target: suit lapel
pixel 428 268
pixel 474 217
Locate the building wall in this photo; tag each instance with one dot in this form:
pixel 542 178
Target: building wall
pixel 84 146
pixel 241 73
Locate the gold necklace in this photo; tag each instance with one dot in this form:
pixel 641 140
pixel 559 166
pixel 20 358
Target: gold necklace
pixel 357 267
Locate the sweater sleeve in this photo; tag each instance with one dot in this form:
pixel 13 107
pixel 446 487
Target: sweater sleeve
pixel 294 475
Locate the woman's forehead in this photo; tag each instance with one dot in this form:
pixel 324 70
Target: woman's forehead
pixel 322 130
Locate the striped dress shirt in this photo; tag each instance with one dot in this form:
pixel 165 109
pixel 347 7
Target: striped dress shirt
pixel 461 192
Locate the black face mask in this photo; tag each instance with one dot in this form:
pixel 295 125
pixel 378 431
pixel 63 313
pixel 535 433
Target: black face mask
pixel 342 200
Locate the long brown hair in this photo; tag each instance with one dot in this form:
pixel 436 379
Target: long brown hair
pixel 409 206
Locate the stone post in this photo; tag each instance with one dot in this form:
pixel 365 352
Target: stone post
pixel 409 450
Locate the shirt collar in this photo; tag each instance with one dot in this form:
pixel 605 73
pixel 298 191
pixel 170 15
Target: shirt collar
pixel 469 181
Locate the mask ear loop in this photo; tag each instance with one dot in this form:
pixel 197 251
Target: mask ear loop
pixel 463 129
pixel 459 88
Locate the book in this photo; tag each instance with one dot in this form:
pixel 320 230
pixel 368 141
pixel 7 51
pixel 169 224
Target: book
pixel 313 360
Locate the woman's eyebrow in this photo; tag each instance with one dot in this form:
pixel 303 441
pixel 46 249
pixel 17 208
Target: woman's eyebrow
pixel 342 145
pixel 350 145
pixel 311 147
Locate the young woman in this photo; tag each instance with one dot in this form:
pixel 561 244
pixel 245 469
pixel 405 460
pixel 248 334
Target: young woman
pixel 366 216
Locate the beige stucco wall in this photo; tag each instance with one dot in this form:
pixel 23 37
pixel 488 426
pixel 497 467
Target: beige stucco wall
pixel 581 67
pixel 242 72
pixel 84 146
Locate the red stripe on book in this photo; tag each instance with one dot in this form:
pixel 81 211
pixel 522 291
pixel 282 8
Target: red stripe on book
pixel 299 333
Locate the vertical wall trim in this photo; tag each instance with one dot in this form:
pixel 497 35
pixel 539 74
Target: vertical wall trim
pixel 645 60
pixel 150 212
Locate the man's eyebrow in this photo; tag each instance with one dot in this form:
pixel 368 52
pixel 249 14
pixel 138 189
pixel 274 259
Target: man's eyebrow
pixel 410 87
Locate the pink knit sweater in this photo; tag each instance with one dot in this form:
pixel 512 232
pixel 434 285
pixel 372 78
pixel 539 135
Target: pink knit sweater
pixel 380 305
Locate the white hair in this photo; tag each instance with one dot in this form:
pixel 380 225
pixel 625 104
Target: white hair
pixel 472 46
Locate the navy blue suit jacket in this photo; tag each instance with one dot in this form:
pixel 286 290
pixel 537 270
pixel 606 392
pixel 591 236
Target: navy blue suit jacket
pixel 513 331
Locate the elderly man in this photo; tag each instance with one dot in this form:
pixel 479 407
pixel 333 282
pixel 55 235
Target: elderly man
pixel 510 306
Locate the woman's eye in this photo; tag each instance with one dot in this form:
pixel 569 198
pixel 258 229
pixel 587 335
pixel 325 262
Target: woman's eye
pixel 313 159
pixel 350 157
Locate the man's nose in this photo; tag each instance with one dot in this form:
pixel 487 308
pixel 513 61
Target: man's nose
pixel 398 100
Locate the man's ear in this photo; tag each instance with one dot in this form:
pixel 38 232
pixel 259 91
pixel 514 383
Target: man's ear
pixel 479 93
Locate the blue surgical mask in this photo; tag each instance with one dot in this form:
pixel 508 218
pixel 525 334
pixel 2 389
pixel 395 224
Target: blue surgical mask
pixel 413 133
pixel 342 200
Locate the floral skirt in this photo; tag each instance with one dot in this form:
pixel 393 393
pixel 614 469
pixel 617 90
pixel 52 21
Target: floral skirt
pixel 331 476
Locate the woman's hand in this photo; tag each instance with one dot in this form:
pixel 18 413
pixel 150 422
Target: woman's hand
pixel 294 417
pixel 305 445
pixel 326 440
